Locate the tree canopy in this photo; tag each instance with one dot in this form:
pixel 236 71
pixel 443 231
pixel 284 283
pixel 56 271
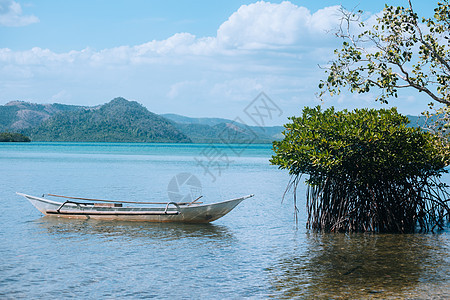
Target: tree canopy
pixel 400 51
pixel 13 137
pixel 368 171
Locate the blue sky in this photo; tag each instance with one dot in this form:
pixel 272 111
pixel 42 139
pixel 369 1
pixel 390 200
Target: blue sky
pixel 196 58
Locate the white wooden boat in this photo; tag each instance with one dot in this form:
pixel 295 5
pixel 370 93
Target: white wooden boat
pixel 192 212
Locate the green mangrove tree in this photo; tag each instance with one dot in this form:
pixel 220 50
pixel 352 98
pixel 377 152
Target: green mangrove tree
pixel 367 170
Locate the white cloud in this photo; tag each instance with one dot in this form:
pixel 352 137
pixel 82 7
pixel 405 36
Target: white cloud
pixel 185 87
pixel 267 25
pixel 324 20
pixel 60 97
pixel 238 89
pixel 11 15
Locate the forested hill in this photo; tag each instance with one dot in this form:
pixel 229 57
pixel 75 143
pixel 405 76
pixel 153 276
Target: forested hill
pixel 117 121
pixel 218 130
pixel 19 115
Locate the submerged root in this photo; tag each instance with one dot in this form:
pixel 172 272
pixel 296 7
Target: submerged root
pixel 342 205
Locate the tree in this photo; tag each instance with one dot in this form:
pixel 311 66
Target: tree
pixel 13 137
pixel 399 51
pixel 368 171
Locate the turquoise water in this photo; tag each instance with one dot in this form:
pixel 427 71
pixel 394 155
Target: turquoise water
pixel 256 251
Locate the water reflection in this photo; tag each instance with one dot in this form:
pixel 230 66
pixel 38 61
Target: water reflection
pixel 74 228
pixel 342 266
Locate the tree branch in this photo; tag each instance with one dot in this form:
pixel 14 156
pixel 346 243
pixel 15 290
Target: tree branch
pixel 429 47
pixel 419 87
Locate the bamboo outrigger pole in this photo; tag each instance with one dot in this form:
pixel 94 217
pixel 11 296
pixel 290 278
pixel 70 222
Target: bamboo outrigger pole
pixel 117 201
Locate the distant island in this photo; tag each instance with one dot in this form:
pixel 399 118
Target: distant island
pixel 13 137
pixel 121 120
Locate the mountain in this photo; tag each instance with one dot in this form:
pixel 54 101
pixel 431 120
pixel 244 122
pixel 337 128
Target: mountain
pixel 218 130
pixel 202 121
pixel 19 115
pixel 117 121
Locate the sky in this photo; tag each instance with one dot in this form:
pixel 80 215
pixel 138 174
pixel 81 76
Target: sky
pixel 194 58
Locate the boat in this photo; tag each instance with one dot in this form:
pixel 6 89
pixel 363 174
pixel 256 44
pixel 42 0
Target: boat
pixel 183 212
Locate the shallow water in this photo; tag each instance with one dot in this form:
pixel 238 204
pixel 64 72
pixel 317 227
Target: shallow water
pixel 253 252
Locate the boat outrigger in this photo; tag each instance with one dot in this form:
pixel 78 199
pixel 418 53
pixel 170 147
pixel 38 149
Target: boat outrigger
pixel 184 212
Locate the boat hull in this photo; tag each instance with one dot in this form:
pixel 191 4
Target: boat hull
pixel 204 213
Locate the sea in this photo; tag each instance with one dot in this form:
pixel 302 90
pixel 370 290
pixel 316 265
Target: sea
pixel 257 251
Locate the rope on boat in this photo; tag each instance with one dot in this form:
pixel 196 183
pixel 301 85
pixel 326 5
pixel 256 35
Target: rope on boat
pixel 116 201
